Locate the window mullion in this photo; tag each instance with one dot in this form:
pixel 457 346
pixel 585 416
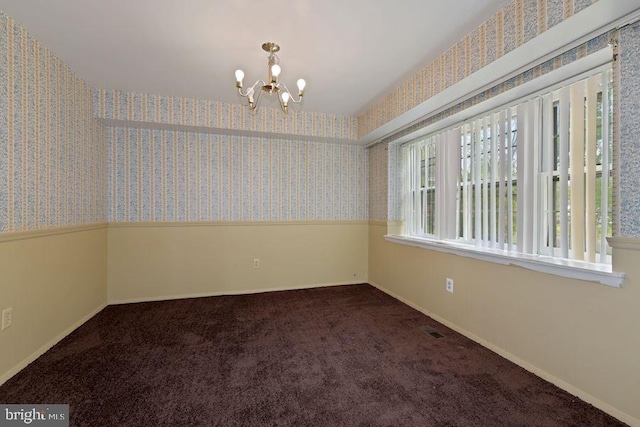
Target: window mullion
pixel 494 177
pixel 477 184
pixel 409 189
pixel 468 178
pixel 533 225
pixel 460 217
pixel 440 193
pixel 485 180
pixel 412 154
pixel 448 152
pixel 564 171
pixel 453 164
pixel 502 149
pixel 593 86
pixel 420 192
pixel 406 186
pixel 521 199
pixel 509 141
pixel 576 169
pixel 549 161
pixel 606 169
pixel 416 189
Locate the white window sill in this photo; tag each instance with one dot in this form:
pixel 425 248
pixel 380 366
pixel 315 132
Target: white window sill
pixel 565 268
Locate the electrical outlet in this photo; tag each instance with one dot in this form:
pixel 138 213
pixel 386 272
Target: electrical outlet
pixel 449 285
pixel 6 317
pixel 256 263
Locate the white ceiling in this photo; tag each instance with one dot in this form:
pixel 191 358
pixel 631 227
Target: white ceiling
pixel 350 52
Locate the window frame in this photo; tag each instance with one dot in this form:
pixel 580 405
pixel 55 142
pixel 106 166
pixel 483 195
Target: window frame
pixel 444 242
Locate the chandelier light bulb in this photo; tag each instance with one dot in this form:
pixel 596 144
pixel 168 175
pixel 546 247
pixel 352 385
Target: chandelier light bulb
pixel 301 84
pixel 239 76
pixel 275 70
pixel 285 98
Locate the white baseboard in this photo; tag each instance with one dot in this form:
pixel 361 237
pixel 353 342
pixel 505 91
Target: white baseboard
pixel 228 292
pixel 42 350
pixel 603 406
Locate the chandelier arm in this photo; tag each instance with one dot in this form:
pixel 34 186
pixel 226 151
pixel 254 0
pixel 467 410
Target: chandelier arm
pixel 253 106
pixel 292 99
pixel 283 106
pixel 252 88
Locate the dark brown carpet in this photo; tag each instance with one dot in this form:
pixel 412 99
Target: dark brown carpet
pixel 342 356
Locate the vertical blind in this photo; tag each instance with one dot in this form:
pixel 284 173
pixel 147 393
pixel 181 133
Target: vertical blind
pixel 534 177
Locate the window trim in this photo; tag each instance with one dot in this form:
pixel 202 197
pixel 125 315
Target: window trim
pixel 581 270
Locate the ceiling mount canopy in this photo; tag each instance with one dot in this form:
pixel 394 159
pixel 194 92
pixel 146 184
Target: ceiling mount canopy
pixel 272 85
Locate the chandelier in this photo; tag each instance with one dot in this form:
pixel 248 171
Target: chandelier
pixel 272 85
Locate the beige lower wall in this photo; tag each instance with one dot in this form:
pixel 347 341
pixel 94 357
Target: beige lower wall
pixel 54 281
pixel 582 336
pixel 163 261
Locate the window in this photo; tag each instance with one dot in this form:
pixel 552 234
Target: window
pixel 576 171
pixel 487 190
pixel 532 178
pixel 421 186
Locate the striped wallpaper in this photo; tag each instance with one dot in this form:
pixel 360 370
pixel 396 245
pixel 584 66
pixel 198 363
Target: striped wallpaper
pixel 629 136
pixel 511 27
pixel 166 175
pixel 217 116
pixel 56 169
pixel 385 182
pixel 52 153
pixel 578 52
pixel 378 182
